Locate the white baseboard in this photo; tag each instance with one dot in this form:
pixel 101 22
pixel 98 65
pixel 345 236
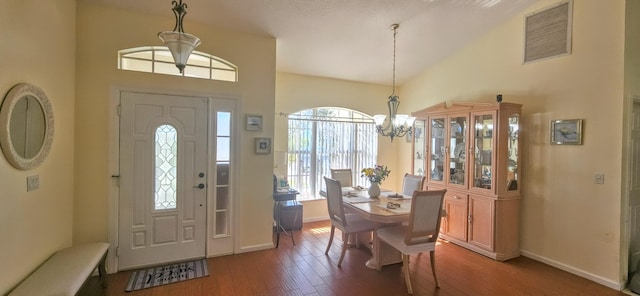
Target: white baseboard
pixel 618 286
pixel 246 249
pixel 254 248
pixel 315 219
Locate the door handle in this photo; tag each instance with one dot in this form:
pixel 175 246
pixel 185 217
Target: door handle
pixel 200 186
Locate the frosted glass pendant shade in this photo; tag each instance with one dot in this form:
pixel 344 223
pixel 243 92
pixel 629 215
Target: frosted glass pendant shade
pixel 379 119
pixel 181 45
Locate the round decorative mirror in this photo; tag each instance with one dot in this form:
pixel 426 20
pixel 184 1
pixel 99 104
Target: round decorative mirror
pixel 26 118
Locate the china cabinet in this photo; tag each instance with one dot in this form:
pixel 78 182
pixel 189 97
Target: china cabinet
pixel 471 149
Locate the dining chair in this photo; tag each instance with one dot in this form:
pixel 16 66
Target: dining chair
pixel 411 183
pixel 343 175
pixel 420 234
pixel 348 223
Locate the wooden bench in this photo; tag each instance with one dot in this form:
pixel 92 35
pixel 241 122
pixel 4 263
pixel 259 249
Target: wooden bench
pixel 66 272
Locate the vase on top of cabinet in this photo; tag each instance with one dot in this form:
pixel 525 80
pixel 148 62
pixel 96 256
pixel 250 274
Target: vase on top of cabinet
pixel 471 149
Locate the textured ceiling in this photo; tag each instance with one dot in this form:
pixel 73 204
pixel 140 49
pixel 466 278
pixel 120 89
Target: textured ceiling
pixel 349 39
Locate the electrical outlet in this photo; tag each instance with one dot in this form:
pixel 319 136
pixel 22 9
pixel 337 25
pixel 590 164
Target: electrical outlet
pixel 33 182
pixel 599 178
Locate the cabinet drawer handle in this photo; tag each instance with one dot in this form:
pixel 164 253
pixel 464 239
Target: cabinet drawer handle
pixel 456 197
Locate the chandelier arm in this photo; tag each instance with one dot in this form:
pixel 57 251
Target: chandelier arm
pixel 402 131
pixel 398 131
pixel 383 131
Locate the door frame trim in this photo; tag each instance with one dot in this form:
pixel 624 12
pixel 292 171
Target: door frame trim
pixel 625 226
pixel 114 165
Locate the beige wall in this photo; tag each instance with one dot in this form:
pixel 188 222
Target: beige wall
pixel 38 47
pixel 101 33
pixel 297 92
pixel 566 219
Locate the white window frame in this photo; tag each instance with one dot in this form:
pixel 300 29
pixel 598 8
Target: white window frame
pixel 158 59
pixel 312 153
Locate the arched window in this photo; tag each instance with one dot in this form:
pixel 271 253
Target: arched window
pixel 158 59
pixel 322 139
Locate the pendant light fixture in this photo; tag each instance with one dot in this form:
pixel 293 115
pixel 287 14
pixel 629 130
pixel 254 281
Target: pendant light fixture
pixel 179 43
pixel 398 125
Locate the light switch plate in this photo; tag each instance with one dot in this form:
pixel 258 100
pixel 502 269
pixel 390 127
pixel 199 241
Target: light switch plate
pixel 33 182
pixel 599 178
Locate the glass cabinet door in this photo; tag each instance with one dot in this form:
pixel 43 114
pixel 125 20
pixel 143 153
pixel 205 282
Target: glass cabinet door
pixel 512 152
pixel 483 150
pixel 419 148
pixel 437 149
pixel 457 150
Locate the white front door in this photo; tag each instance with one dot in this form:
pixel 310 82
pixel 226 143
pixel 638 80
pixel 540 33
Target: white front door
pixel 163 173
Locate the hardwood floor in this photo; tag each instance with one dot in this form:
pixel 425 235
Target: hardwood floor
pixel 305 270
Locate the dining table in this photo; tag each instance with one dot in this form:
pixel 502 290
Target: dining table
pixel 390 208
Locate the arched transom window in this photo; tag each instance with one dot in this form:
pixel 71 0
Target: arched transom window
pixel 158 59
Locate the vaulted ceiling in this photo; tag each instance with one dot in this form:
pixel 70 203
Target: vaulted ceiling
pixel 348 39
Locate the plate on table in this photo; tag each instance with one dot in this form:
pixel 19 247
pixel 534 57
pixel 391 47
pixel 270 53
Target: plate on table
pixel 395 195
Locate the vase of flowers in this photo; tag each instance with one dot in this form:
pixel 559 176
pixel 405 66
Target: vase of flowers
pixel 374 190
pixel 375 175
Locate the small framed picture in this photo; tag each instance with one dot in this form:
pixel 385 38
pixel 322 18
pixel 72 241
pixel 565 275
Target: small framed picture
pixel 254 122
pixel 566 132
pixel 263 145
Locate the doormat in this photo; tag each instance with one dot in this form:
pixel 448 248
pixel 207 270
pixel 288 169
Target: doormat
pixel 167 274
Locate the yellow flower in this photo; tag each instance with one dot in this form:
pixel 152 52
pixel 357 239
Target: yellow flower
pixel 376 174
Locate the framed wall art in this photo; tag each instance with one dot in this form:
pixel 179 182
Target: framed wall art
pixel 253 122
pixel 566 132
pixel 263 145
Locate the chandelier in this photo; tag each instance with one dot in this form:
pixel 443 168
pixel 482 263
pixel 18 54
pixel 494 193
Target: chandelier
pixel 179 43
pixel 398 125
